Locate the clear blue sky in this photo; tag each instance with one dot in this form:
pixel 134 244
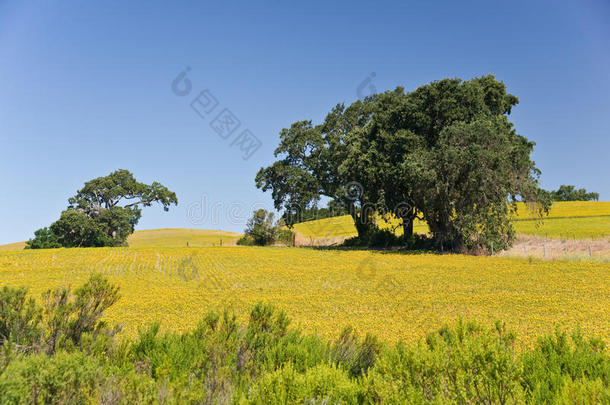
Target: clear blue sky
pixel 85 88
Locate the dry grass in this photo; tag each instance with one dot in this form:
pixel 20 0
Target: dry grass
pixel 176 237
pixel 13 246
pixel 169 237
pixel 560 249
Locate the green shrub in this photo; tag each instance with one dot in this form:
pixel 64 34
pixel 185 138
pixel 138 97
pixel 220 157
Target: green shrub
pixel 322 384
pixel 66 320
pixel 375 237
pixel 582 391
pixel 63 353
pixel 557 359
pixel 61 379
pixel 467 364
pixel 20 319
pixel 246 241
pixel 261 230
pixel 69 316
pixel 355 356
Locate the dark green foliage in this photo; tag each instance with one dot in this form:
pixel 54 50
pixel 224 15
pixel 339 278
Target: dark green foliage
pixel 445 153
pixel 94 217
pixel 284 235
pixel 570 193
pixel 43 239
pixel 356 356
pixel 314 213
pixel 77 229
pixel 70 358
pixel 261 228
pixel 378 238
pixel 246 241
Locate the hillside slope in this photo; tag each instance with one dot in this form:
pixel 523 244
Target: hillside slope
pixel 170 237
pixel 568 220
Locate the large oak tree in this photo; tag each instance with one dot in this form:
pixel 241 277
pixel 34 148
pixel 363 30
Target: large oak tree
pixel 445 152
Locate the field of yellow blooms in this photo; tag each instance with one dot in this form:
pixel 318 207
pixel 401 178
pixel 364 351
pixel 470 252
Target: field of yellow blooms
pixel 396 296
pixel 566 220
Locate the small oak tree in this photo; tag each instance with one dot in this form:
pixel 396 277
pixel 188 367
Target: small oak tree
pixel 104 212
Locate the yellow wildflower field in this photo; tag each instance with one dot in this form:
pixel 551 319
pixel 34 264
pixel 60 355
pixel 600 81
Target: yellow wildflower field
pixel 396 296
pixel 568 220
pixel 565 209
pixel 567 228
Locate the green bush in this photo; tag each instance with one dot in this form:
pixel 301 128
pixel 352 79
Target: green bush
pixel 557 360
pixel 261 230
pixel 246 241
pixel 322 384
pixel 355 356
pixel 468 364
pixel 61 352
pixel 63 379
pixel 20 319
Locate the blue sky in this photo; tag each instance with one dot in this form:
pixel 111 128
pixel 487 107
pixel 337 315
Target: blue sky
pixel 85 88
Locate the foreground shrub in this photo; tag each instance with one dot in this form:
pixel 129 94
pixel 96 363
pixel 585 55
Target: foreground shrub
pixel 64 353
pixel 562 367
pixel 322 384
pixel 63 378
pixel 468 364
pixel 355 356
pixel 66 319
pixel 20 319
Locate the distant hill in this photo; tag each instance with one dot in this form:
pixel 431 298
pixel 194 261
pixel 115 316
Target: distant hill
pixel 570 220
pixel 171 237
pixel 13 246
pixel 567 220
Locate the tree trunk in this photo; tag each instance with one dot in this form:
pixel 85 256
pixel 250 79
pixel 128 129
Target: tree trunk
pixel 362 224
pixel 407 228
pixel 407 223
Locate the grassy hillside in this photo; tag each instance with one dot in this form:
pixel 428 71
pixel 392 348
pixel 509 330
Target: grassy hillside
pixel 179 238
pixel 577 219
pixel 395 296
pixel 13 246
pixel 173 237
